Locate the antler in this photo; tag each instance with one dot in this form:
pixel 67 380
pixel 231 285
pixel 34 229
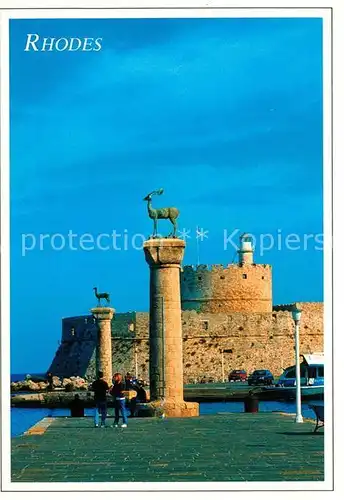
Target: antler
pixel 158 192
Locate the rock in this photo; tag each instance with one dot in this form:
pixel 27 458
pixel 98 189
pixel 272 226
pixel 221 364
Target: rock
pixel 15 386
pixel 74 384
pixel 56 381
pixel 32 386
pixel 79 383
pixel 42 385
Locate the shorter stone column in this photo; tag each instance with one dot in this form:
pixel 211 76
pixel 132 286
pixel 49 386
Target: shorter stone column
pixel 103 317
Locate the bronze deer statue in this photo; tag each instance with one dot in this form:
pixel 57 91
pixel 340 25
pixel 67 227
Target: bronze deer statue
pixel 100 296
pixel 170 213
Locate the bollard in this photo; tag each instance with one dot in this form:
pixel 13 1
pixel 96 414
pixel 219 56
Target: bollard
pixel 251 403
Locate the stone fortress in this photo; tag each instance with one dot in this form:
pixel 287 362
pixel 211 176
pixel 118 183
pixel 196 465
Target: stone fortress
pixel 228 322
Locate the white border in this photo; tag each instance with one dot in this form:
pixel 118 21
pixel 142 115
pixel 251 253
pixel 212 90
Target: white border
pixel 5 263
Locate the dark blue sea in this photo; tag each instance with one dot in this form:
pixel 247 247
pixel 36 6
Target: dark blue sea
pixel 16 377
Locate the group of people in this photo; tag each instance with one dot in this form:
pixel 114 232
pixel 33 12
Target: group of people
pixel 101 389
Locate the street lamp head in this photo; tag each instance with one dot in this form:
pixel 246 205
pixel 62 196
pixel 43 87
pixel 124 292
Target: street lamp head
pixel 296 313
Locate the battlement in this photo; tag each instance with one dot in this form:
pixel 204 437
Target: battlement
pixel 221 267
pixel 284 307
pixel 305 307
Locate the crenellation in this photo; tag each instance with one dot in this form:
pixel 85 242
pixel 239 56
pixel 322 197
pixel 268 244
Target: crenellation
pixel 202 267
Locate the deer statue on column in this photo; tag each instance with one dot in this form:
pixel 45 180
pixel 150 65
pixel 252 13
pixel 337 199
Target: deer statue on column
pixel 170 213
pixel 100 296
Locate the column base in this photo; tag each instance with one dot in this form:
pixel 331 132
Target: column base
pixel 171 408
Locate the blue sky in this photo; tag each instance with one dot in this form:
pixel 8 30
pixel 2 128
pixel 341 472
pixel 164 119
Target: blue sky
pixel 224 114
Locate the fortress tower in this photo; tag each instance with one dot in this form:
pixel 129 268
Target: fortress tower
pixel 241 287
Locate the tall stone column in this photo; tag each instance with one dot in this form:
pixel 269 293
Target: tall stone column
pixel 103 317
pixel 164 257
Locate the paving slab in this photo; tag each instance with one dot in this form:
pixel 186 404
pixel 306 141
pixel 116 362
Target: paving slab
pixel 222 447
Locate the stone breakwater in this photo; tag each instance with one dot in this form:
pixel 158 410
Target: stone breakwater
pixel 58 399
pixel 66 384
pixel 204 394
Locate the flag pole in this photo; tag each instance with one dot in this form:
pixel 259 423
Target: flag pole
pixel 197 244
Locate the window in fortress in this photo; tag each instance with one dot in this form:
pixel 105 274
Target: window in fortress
pixel 244 276
pixel 262 277
pixel 205 325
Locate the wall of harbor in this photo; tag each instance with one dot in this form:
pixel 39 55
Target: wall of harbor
pixel 242 340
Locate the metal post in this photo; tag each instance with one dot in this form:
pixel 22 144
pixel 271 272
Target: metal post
pixel 298 419
pixel 136 369
pixel 222 366
pixel 197 244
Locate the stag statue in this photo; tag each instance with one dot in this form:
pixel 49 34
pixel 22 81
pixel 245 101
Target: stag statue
pixel 100 296
pixel 170 213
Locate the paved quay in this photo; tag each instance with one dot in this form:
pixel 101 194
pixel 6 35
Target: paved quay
pixel 222 447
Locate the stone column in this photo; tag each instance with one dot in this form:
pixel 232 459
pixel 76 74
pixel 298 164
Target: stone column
pixel 164 257
pixel 104 316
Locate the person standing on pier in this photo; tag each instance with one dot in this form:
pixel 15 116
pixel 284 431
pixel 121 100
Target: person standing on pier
pixel 117 391
pixel 100 388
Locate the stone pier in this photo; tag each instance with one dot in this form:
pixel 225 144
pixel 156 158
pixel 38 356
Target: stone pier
pixel 164 257
pixel 104 316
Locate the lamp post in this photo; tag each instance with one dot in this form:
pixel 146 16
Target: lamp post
pixel 222 366
pixel 297 317
pixel 136 364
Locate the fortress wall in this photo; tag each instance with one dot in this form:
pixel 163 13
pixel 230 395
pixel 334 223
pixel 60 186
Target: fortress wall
pixel 123 356
pixel 73 358
pixel 256 340
pixel 142 325
pixel 236 288
pixel 79 334
pixel 123 324
pixel 312 320
pixel 78 328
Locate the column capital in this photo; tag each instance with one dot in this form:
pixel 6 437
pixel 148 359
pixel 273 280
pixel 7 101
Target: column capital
pixel 103 313
pixel 160 252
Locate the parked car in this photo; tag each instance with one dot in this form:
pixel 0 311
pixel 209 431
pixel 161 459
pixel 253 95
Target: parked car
pixel 237 376
pixel 263 377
